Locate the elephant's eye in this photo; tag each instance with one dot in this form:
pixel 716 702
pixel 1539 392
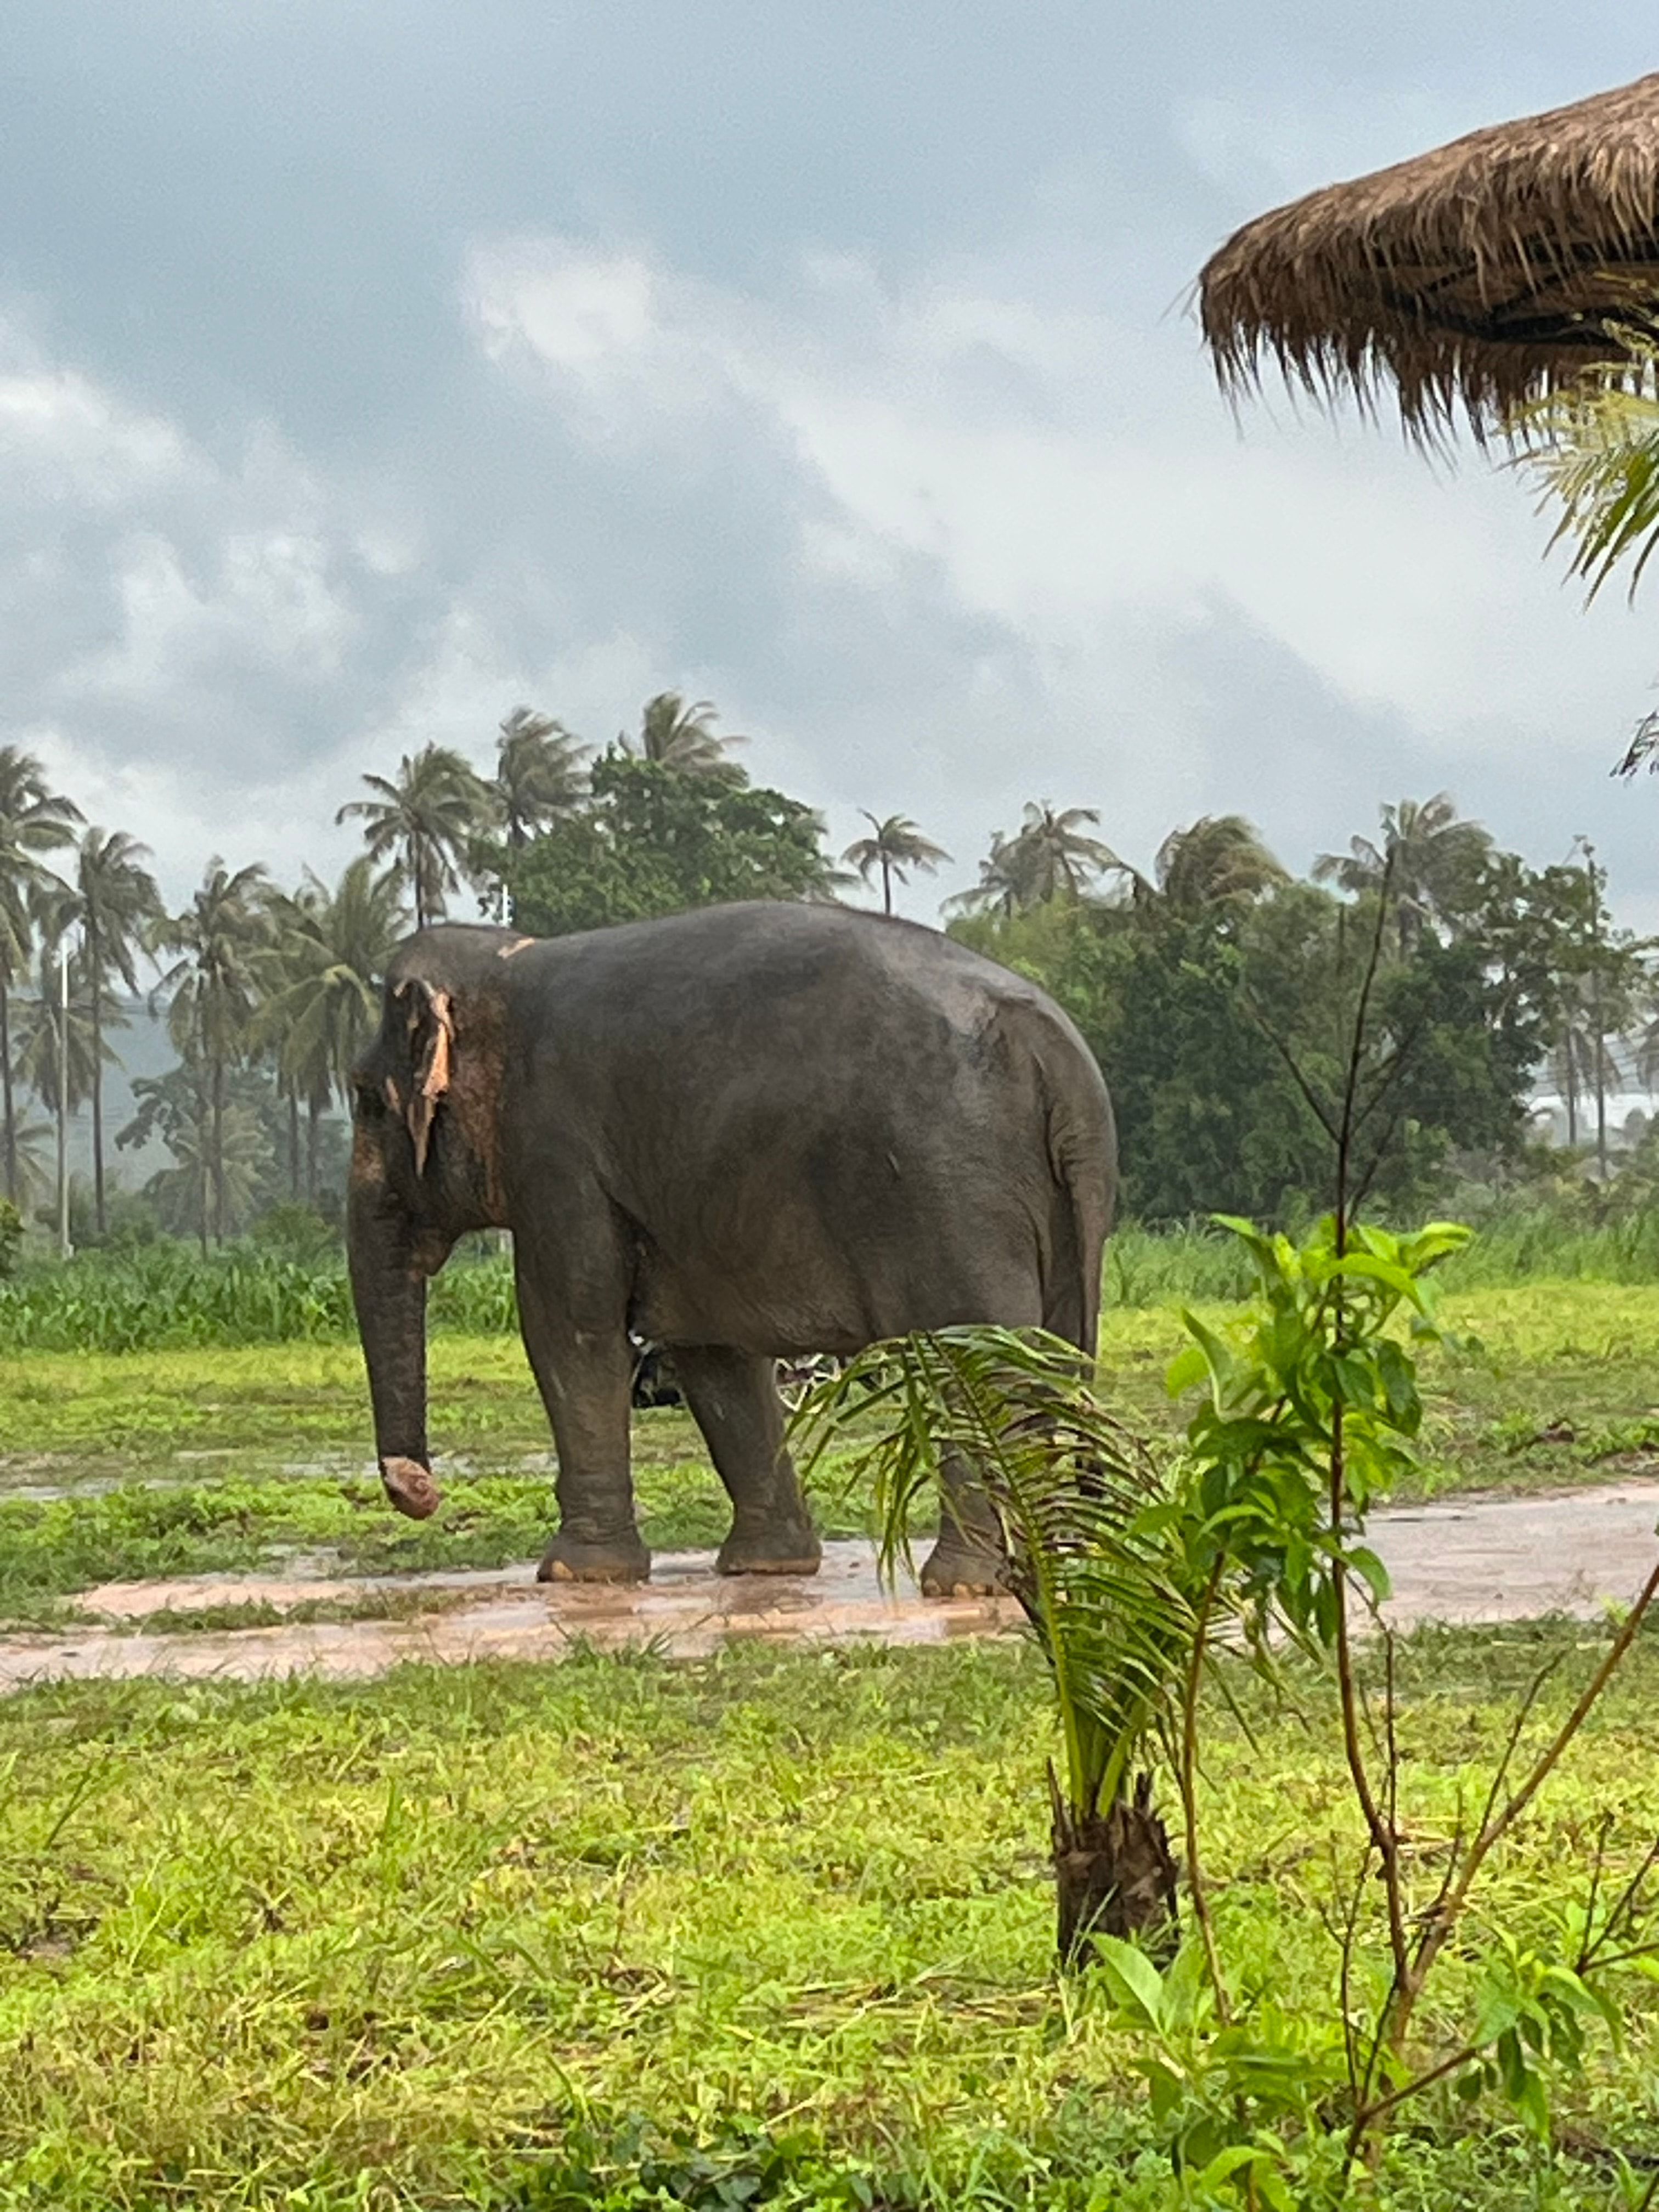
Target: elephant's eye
pixel 369 1102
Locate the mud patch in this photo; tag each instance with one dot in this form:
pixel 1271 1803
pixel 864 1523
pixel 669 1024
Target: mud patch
pixel 1480 1559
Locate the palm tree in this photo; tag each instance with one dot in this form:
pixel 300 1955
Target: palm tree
pixel 897 845
pixel 177 1107
pixel 680 736
pixel 539 776
pixel 1049 856
pixel 33 820
pixel 1000 889
pixel 425 819
pixel 223 941
pixel 59 1056
pixel 1098 1545
pixel 333 948
pixel 1427 858
pixel 118 909
pixel 1221 860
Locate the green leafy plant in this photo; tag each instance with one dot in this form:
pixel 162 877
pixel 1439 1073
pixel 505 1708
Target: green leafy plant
pixel 1095 1537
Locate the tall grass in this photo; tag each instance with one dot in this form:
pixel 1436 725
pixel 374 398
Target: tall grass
pixel 1534 1243
pixel 166 1297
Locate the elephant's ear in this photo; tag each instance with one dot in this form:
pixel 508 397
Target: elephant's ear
pixel 431 1040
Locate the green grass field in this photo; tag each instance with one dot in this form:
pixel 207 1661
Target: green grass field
pixel 766 1929
pixel 769 1930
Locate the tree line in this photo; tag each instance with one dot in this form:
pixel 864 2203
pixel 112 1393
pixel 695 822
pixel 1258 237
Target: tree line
pixel 1202 987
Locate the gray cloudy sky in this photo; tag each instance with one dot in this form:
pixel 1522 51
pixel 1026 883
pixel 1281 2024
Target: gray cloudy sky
pixel 367 368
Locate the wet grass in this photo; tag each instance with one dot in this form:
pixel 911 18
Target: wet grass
pixel 208 1462
pixel 768 1929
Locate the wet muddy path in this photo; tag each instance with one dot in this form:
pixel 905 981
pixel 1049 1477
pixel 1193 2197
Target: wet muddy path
pixel 1474 1559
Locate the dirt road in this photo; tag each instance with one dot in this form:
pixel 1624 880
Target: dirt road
pixel 1477 1560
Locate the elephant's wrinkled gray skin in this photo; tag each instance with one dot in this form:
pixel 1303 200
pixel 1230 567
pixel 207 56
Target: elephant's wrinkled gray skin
pixel 746 1132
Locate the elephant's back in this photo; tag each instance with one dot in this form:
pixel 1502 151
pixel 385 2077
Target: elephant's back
pixel 864 979
pixel 850 1120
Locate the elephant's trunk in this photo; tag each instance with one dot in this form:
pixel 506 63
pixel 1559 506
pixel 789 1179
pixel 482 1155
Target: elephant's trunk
pixel 388 1288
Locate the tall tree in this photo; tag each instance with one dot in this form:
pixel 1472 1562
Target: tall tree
pixel 654 842
pixel 332 949
pixel 223 944
pixel 1049 856
pixel 1430 858
pixel 894 847
pixel 177 1109
pixel 1219 861
pixel 539 775
pixel 540 778
pixel 56 1064
pixel 33 820
pixel 119 909
pixel 678 734
pixel 426 820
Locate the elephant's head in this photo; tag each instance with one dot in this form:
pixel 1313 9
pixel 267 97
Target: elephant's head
pixel 423 1170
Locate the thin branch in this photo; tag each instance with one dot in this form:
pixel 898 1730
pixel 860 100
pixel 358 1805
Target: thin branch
pixel 1296 1077
pixel 1197 1889
pixel 1437 1930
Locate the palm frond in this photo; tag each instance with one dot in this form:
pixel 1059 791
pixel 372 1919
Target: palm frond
pixel 1592 448
pixel 1095 1540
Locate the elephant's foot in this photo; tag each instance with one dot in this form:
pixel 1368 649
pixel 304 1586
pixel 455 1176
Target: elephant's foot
pixel 791 1548
pixel 574 1559
pixel 963 1566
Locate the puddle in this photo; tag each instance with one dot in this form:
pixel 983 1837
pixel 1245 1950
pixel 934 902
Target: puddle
pixel 1476 1559
pixel 686 1608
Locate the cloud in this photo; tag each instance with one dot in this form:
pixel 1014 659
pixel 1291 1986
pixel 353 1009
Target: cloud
pixel 861 414
pixel 957 448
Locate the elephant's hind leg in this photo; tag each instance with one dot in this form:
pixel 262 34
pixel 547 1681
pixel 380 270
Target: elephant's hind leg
pixel 733 1398
pixel 967 1560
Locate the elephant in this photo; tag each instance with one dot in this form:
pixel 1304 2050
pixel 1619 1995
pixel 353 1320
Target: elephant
pixel 745 1133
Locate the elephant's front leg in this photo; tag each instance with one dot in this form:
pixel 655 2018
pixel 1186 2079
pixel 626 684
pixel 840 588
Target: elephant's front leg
pixel 734 1401
pixel 584 1373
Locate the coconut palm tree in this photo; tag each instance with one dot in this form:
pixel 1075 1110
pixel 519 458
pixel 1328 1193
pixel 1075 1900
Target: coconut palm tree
pixel 539 776
pixel 1049 856
pixel 1427 857
pixel 177 1107
pixel 680 735
pixel 1221 860
pixel 223 941
pixel 60 1056
pixel 33 820
pixel 331 951
pixel 425 820
pixel 895 846
pixel 1000 889
pixel 118 909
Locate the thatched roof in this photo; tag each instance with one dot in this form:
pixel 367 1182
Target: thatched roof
pixel 1476 277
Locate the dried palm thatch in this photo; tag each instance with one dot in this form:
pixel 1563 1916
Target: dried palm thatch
pixel 1480 277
